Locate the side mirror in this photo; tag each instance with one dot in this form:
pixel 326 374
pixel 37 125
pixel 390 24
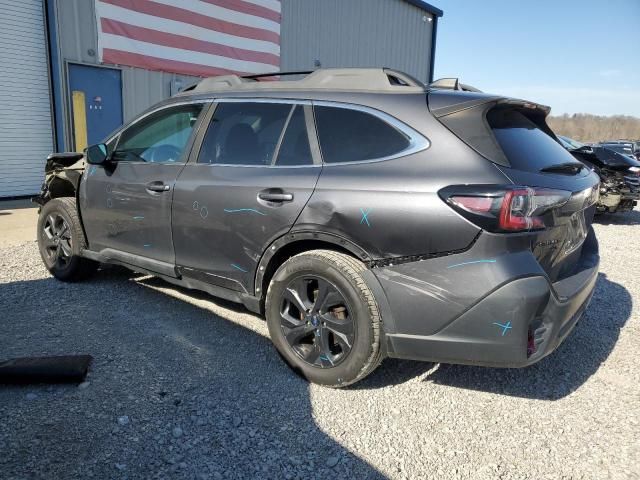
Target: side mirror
pixel 97 154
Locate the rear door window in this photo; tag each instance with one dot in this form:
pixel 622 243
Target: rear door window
pixel 295 149
pixel 525 145
pixel 244 133
pixel 348 135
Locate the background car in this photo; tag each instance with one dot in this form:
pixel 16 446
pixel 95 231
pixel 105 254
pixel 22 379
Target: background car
pixel 625 147
pixel 619 174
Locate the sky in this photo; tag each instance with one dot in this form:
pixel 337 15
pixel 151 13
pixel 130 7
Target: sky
pixel 577 56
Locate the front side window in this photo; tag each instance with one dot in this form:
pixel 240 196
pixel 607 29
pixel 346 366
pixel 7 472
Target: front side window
pixel 348 135
pixel 160 138
pixel 244 133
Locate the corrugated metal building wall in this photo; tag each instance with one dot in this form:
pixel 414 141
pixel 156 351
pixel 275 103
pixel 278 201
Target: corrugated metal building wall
pixel 327 33
pixel 336 33
pixel 356 33
pixel 25 112
pixel 78 42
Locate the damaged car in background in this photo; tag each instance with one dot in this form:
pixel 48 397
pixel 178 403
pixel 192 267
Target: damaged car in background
pixel 364 214
pixel 619 174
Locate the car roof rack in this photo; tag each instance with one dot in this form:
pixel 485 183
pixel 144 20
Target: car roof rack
pixel 258 76
pixel 452 84
pixel 384 80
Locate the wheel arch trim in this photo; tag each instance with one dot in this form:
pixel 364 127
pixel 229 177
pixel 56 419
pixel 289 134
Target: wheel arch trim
pixel 290 238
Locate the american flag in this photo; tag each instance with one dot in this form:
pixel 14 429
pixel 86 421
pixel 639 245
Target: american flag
pixel 191 37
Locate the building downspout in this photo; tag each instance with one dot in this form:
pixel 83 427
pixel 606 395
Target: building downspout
pixel 434 35
pixel 55 86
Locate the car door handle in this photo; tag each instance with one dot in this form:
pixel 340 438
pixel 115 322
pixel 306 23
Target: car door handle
pixel 158 187
pixel 276 196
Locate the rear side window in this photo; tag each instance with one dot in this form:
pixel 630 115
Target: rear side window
pixel 244 133
pixel 525 145
pixel 348 135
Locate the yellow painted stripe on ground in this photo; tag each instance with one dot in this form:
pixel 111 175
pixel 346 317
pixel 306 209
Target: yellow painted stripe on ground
pixel 79 120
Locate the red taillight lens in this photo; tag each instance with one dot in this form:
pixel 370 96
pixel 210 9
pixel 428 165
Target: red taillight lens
pixel 474 204
pixel 508 209
pixel 516 213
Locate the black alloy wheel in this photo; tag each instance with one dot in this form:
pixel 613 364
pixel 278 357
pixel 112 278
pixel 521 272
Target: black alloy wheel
pixel 56 239
pixel 315 321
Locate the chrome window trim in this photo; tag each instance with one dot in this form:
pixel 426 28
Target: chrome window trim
pixel 288 101
pixel 417 141
pixel 256 166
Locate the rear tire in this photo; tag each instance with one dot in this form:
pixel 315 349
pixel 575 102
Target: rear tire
pixel 323 318
pixel 60 241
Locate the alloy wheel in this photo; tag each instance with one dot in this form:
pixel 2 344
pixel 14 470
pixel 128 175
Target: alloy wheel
pixel 316 322
pixel 56 238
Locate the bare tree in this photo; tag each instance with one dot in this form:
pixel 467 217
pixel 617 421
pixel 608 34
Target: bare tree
pixel 594 128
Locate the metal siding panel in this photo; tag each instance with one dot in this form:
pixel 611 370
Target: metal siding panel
pixel 77 30
pixel 356 33
pixel 26 136
pixel 78 34
pixel 340 33
pixel 144 88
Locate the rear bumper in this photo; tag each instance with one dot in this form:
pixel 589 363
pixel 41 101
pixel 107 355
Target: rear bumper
pixel 516 323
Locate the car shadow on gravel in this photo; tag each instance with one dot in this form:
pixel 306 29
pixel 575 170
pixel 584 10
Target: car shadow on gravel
pixel 626 218
pixel 175 390
pixel 566 369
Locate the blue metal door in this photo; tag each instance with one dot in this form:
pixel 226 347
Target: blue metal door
pixel 96 105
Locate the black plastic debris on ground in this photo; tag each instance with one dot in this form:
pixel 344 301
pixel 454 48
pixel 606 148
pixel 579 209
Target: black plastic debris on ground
pixel 55 369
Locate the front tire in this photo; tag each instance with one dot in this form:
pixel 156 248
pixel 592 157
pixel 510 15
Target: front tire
pixel 60 241
pixel 323 318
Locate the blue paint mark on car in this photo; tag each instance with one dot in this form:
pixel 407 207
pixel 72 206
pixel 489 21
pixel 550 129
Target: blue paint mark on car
pixel 489 260
pixel 365 216
pixel 239 210
pixel 238 267
pixel 505 327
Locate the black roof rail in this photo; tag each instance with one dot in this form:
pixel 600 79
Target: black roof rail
pixel 189 87
pixel 277 74
pixel 452 84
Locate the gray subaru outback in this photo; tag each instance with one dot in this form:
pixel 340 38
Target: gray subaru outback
pixel 363 213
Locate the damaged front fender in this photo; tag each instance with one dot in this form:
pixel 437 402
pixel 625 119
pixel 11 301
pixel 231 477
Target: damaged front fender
pixel 63 172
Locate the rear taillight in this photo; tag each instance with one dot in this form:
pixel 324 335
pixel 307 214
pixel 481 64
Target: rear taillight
pixel 504 209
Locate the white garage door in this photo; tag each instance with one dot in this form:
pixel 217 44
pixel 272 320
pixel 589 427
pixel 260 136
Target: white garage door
pixel 25 116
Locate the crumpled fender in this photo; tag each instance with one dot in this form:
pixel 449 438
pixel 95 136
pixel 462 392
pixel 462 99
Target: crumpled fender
pixel 63 172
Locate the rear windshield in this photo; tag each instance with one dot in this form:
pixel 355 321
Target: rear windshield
pixel 525 145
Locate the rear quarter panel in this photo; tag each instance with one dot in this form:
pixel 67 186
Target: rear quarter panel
pixel 391 208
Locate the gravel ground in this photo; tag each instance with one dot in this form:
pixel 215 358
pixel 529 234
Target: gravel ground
pixel 183 386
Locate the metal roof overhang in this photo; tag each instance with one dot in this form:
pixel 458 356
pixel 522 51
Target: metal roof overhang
pixel 426 7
